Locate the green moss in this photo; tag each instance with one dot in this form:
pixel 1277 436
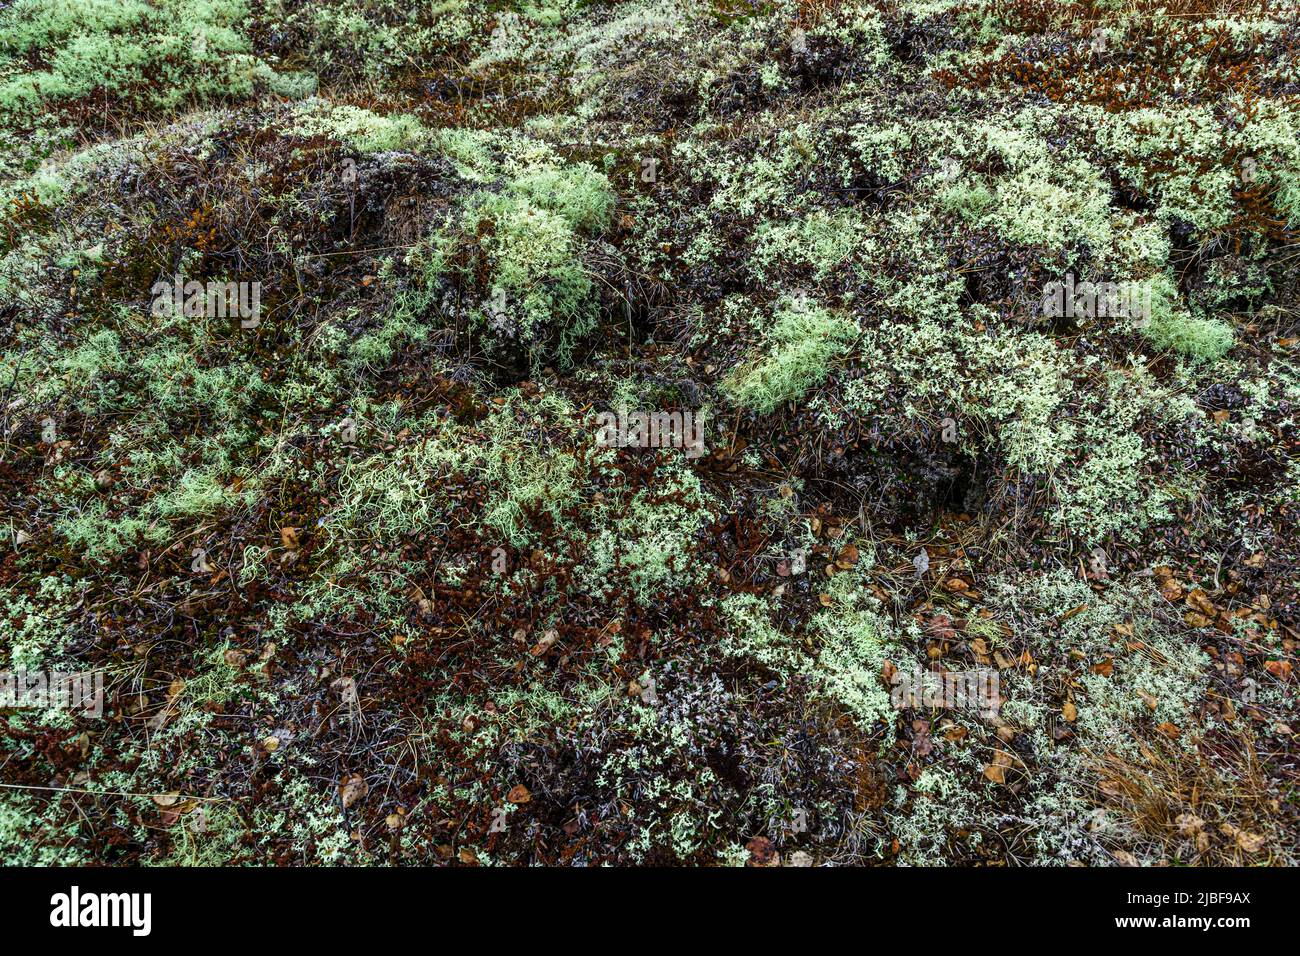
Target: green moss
pixel 1173 329
pixel 363 130
pixel 849 646
pixel 853 645
pixel 523 467
pixel 1110 490
pixel 408 490
pixel 1191 163
pixel 99 536
pixel 154 55
pixel 820 242
pixel 378 39
pixel 839 229
pixel 968 200
pixel 579 194
pixel 943 803
pixel 1157 663
pixel 539 294
pixel 36 624
pixel 752 636
pixel 1198 338
pixel 648 548
pixel 388 495
pixel 28 837
pixel 797 354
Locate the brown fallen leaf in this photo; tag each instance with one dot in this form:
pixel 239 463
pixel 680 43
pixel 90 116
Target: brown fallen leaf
pixel 519 794
pixel 762 852
pixel 542 646
pixel 1111 787
pixel 1070 712
pixel 81 743
pixel 922 745
pixel 1279 669
pixel 1197 599
pixel 940 626
pixel 352 789
pixel 346 688
pixel 169 817
pixel 1072 612
pixel 1250 842
pixel 997 770
pixel 289 537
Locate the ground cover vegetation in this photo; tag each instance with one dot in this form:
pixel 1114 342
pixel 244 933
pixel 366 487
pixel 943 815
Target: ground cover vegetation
pixel 364 586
